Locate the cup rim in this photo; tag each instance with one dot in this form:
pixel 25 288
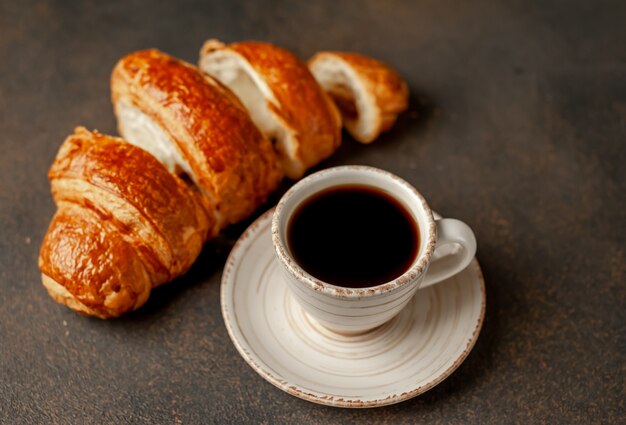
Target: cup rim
pixel 411 274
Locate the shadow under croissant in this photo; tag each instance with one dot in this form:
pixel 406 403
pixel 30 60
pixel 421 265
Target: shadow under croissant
pixel 410 124
pixel 209 262
pixel 414 121
pixel 208 265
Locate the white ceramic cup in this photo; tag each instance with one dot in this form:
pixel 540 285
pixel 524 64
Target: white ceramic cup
pixel 446 247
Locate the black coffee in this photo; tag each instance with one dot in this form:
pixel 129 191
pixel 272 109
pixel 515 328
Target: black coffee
pixel 353 236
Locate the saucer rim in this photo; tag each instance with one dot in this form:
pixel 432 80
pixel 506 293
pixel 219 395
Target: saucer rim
pixel 292 388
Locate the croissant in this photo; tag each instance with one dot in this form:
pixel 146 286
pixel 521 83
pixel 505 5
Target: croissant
pixel 282 97
pixel 197 128
pixel 124 225
pixel 369 94
pixel 133 213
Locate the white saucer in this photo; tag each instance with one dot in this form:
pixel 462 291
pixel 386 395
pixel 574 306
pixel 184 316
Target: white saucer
pixel 405 357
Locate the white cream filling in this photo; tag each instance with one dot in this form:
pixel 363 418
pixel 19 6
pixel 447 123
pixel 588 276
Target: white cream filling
pixel 140 130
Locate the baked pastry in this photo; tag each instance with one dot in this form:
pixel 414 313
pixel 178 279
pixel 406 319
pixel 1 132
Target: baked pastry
pixel 369 94
pixel 133 214
pixel 124 225
pixel 197 128
pixel 282 97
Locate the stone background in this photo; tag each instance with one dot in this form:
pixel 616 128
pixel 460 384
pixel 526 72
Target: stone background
pixel 517 126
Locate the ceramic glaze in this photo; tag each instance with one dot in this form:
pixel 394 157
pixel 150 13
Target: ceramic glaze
pixel 357 310
pixel 403 358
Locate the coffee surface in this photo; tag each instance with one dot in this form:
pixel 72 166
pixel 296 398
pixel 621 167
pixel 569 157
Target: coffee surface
pixel 353 236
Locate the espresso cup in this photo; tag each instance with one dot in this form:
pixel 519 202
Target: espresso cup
pixel 446 247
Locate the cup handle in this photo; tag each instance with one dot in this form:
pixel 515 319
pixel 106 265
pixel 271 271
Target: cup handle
pixel 456 246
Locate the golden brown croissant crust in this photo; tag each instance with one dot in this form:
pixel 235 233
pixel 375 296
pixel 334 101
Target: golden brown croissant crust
pixel 369 94
pixel 87 265
pixel 307 113
pixel 230 160
pixel 124 225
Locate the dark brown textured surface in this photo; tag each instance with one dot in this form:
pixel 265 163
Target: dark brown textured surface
pixel 517 126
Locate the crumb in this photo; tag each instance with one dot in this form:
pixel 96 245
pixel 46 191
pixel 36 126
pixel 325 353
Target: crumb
pixel 27 240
